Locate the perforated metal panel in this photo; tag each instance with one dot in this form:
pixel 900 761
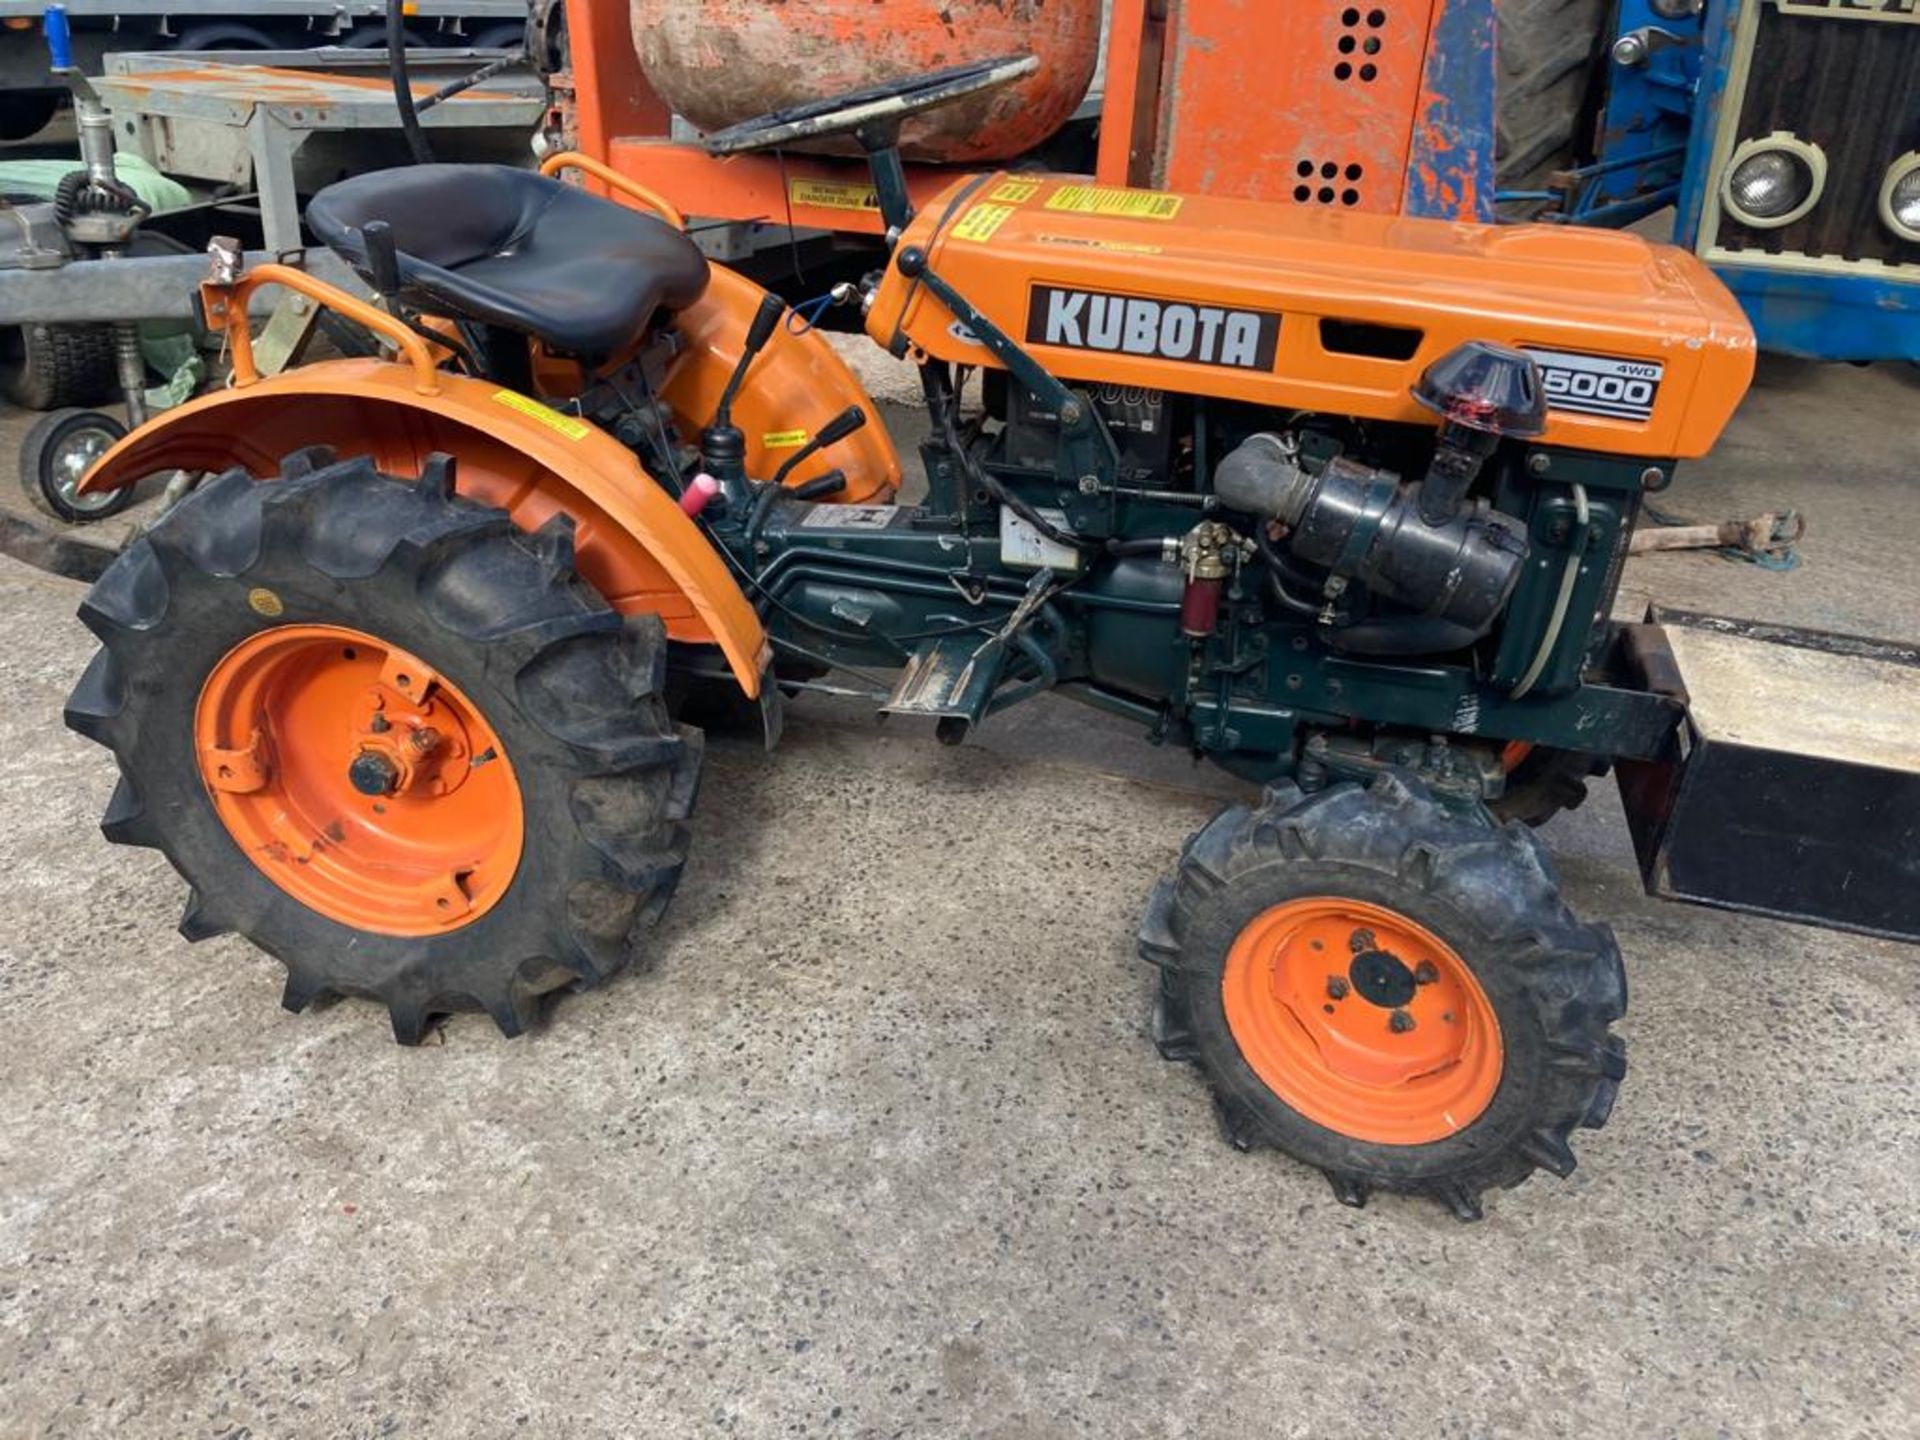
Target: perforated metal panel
pixel 1379 106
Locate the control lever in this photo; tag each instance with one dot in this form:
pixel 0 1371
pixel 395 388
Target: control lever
pixel 818 488
pixel 821 486
pixel 832 433
pixel 723 448
pixel 758 333
pixel 383 261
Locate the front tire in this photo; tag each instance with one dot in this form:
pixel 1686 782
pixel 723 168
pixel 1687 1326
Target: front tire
pixel 260 684
pixel 1388 991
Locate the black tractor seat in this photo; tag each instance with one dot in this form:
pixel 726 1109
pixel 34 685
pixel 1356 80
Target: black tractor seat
pixel 513 249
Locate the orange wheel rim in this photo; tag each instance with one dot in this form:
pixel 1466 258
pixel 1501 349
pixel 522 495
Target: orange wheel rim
pixel 360 780
pixel 1362 1020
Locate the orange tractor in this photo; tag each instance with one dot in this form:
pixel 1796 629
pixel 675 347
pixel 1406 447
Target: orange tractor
pixel 1337 500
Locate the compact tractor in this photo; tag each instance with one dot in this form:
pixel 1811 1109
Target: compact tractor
pixel 1339 501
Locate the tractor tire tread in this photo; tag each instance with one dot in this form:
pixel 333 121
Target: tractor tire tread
pixel 1548 55
pixel 1494 883
pixel 574 689
pixel 59 366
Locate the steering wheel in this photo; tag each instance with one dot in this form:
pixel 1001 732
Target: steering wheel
pixel 877 105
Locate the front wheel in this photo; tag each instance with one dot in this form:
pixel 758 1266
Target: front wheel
pixel 395 742
pixel 1389 991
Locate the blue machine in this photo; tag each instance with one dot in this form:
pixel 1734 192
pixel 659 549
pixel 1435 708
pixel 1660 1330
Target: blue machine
pixel 1786 134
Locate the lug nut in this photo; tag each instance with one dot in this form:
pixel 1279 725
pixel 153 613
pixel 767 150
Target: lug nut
pixel 1360 941
pixel 372 773
pixel 1337 987
pixel 379 725
pixel 1400 1023
pixel 1425 973
pixel 425 740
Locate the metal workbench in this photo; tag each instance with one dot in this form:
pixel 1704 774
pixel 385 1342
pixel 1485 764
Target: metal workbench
pixel 226 123
pixel 230 121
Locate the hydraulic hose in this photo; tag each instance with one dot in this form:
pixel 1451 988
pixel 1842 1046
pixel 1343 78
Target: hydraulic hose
pixel 403 83
pixel 1568 579
pixel 1276 573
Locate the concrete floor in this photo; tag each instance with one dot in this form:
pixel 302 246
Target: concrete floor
pixel 881 1148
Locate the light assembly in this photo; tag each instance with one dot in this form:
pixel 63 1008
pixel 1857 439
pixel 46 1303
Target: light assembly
pixel 1774 181
pixel 1900 197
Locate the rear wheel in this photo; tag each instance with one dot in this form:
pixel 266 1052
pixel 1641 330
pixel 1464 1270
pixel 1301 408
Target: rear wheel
pixel 1388 991
pixel 389 738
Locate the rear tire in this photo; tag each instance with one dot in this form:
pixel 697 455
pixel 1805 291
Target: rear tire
pixel 1551 58
pixel 1485 899
pixel 571 689
pixel 50 367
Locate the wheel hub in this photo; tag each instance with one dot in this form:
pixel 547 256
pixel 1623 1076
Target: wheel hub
pixel 359 779
pixel 372 773
pixel 70 462
pixel 1363 1020
pixel 1382 978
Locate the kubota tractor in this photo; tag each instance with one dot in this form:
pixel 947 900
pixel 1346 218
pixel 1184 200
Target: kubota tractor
pixel 1337 500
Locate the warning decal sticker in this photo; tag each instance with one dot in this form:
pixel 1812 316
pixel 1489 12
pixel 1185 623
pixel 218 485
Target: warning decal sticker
pixel 982 222
pixel 568 426
pixel 1110 200
pixel 833 195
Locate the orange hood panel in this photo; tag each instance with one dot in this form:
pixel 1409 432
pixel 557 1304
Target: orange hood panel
pixel 1645 351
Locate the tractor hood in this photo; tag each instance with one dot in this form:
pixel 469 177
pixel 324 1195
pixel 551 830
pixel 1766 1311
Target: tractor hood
pixel 1643 350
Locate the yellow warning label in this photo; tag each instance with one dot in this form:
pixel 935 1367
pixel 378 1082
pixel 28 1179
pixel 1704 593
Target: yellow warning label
pixel 1094 242
pixel 568 426
pixel 1015 192
pixel 783 439
pixel 982 221
pixel 832 194
pixel 265 602
pixel 1110 200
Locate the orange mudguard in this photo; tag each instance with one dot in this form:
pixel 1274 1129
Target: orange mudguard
pixel 631 540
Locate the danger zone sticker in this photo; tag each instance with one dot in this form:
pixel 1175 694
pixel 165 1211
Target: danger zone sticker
pixel 833 195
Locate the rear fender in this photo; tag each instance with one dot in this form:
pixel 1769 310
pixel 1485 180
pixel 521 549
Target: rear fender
pixel 631 541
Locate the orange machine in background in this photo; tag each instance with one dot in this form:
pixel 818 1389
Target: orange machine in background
pixel 1384 107
pixel 1372 105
